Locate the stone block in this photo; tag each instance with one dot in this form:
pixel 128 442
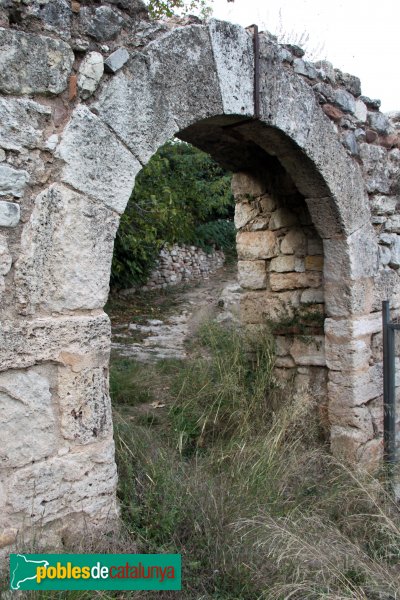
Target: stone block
pixel 12 181
pixel 352 328
pixel 294 242
pixel 66 253
pixel 166 86
pixel 345 355
pixel 252 274
pixel 22 123
pixel 282 264
pixel 376 169
pixel 360 111
pixel 96 162
pixel 66 340
pixel 85 406
pixel 351 257
pixel 384 205
pixel 312 296
pixel 55 488
pixel 101 22
pixel 354 388
pixel 47 63
pixel 314 263
pixel 260 307
pixel 116 60
pixel 90 72
pixel 255 245
pixel 28 418
pixel 247 185
pixel 293 281
pixel 314 246
pixel 282 217
pixel 234 61
pixel 345 298
pixel 346 442
pixel 9 214
pixel 310 352
pixel 244 213
pixel 267 203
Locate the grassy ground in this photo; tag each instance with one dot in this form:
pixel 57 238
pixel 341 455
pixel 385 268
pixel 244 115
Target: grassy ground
pixel 220 464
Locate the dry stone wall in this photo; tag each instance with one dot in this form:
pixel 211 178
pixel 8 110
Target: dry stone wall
pixel 182 263
pixel 88 92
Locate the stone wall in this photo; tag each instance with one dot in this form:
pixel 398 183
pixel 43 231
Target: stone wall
pixel 182 263
pixel 88 93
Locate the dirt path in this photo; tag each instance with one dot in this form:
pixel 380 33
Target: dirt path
pixel 165 337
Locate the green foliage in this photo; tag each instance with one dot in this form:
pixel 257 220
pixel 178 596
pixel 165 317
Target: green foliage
pixel 179 190
pixel 167 8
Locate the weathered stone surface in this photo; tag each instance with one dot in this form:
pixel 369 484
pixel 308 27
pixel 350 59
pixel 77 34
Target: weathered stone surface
pixel 23 344
pixel 116 60
pixel 282 264
pixel 90 72
pixel 394 260
pixel 375 168
pixel 379 122
pixel 293 281
pixel 55 15
pixel 312 296
pixel 314 263
pixel 252 274
pixel 85 405
pixel 303 67
pixel 247 185
pixel 21 121
pixel 66 252
pixel 9 214
pixel 360 111
pixel 5 256
pixel 12 181
pixel 354 388
pixel 170 88
pixel 234 61
pixel 310 353
pixel 74 483
pixel 353 257
pixel 384 255
pixel 344 100
pixel 384 205
pixel 26 436
pixel 347 355
pixel 256 245
pixel 294 242
pixel 33 64
pixel 347 329
pixel 262 306
pixel 350 142
pixel 350 82
pixel 87 145
pixel 102 22
pixel 244 213
pixel 282 218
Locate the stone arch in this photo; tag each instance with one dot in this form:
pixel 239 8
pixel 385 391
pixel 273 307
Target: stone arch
pixel 197 82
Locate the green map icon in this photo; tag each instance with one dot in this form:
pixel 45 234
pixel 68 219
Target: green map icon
pixel 24 569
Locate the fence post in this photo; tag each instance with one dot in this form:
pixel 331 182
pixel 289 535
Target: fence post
pixel 389 387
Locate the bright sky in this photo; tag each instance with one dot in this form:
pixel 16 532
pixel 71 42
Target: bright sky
pixel 357 36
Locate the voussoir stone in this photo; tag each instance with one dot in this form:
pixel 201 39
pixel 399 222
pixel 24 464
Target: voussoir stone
pixel 33 64
pixel 66 252
pixel 96 162
pixel 156 82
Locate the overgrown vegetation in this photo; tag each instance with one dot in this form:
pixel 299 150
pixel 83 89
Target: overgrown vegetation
pixel 167 8
pixel 181 196
pixel 219 463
